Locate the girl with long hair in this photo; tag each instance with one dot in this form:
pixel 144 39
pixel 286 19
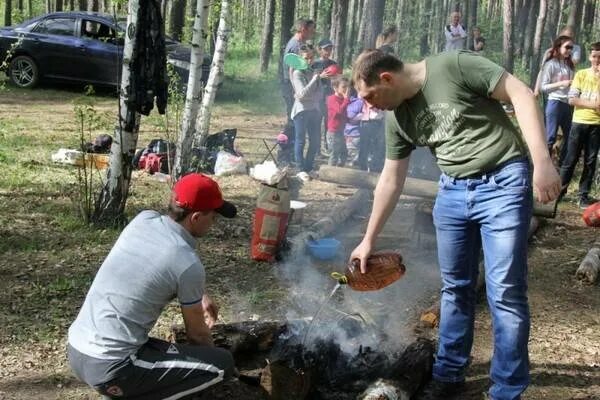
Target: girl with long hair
pixel 557 73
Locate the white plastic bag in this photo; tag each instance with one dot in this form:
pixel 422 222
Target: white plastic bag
pixel 229 164
pixel 268 173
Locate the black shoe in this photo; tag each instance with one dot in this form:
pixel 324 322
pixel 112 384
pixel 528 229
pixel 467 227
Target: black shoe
pixel 436 390
pixel 585 202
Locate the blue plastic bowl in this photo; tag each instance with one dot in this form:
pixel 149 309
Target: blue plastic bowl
pixel 324 249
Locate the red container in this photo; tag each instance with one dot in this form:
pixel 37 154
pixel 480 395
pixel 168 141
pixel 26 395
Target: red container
pixel 591 215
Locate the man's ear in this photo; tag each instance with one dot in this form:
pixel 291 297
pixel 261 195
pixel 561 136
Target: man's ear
pixel 386 77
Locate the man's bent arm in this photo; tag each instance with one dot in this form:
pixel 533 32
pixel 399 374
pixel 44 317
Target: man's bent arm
pixel 545 178
pixel 196 329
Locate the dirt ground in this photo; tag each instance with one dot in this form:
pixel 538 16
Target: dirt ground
pixel 45 272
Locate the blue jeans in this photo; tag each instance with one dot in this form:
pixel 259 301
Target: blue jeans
pixel 558 114
pixel 307 122
pixel 492 210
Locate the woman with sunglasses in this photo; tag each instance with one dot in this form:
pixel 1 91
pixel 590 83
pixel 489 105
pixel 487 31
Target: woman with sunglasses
pixel 557 73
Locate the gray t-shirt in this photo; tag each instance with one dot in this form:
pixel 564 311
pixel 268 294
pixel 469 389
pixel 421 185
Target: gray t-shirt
pixel 293 46
pixel 554 71
pixel 153 261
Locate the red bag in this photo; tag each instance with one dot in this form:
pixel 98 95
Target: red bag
pixel 591 215
pixel 152 163
pixel 270 221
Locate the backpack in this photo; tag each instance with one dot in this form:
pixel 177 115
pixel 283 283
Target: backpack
pixel 158 156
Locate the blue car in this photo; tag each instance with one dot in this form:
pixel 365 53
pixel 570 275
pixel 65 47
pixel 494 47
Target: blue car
pixel 75 46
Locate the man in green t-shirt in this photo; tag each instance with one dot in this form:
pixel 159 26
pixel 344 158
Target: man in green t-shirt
pixel 451 103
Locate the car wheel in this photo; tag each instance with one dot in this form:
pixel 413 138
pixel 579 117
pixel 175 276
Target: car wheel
pixel 23 72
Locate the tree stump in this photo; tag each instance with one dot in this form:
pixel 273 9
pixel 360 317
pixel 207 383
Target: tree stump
pixel 589 269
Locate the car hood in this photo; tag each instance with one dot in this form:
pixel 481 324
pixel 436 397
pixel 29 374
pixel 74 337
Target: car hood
pixel 179 52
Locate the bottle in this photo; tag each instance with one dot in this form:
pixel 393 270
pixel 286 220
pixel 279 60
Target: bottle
pixel 383 269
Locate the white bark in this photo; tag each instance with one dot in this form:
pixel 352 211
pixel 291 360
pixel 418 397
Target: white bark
pixel 194 89
pixel 110 206
pixel 216 72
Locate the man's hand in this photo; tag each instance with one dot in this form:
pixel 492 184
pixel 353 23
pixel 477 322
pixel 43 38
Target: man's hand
pixel 546 182
pixel 362 253
pixel 211 311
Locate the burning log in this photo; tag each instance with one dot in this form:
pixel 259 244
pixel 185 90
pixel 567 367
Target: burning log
pixel 284 383
pixel 238 337
pixel 412 186
pixel 589 269
pixel 407 375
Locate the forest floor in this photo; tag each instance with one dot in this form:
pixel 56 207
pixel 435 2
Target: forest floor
pixel 49 255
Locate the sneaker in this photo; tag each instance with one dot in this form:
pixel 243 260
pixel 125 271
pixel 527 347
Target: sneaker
pixel 303 176
pixel 436 390
pixel 585 202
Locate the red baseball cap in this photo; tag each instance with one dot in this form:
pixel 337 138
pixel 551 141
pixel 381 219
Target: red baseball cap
pixel 197 192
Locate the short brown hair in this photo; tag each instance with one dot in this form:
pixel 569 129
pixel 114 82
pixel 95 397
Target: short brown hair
pixel 338 80
pixel 371 63
pixel 595 46
pixel 303 23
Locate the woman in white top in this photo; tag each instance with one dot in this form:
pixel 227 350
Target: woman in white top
pixel 557 73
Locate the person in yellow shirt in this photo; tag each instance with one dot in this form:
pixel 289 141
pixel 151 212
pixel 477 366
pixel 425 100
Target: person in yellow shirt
pixel 585 130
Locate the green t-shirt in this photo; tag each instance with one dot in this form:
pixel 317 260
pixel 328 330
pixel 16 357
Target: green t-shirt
pixel 453 114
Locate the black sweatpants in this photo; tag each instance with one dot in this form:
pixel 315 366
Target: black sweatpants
pixel 160 370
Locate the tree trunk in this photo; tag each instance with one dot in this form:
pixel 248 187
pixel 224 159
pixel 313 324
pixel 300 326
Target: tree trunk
pixel 371 23
pixel 58 5
pixel 287 21
pixel 353 32
pixel 551 22
pixel 398 23
pixel 575 15
pixel 534 65
pixel 325 19
pixel 110 206
pixel 8 13
pixel 93 5
pixel 163 9
pixel 314 10
pixel 266 47
pixel 194 89
pixel 529 32
pixel 471 22
pixel 339 20
pixel 30 8
pixel 425 17
pixel 82 5
pixel 589 269
pixel 177 19
pixel 522 17
pixel 216 72
pixel 507 43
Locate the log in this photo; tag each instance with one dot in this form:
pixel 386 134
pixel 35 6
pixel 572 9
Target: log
pixel 589 269
pixel 332 221
pixel 407 374
pixel 238 337
pixel 412 186
pixel 284 383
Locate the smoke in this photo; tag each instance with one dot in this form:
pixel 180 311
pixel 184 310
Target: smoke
pixel 382 319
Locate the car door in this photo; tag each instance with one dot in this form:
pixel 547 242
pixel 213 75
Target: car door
pixel 56 47
pixel 102 52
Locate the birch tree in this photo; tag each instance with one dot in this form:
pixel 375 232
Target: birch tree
pixel 110 207
pixel 507 43
pixel 194 89
pixel 216 71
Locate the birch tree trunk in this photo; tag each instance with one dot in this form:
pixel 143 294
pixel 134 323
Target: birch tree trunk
pixel 534 66
pixel 266 47
pixel 507 42
pixel 339 19
pixel 194 89
pixel 110 206
pixel 216 71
